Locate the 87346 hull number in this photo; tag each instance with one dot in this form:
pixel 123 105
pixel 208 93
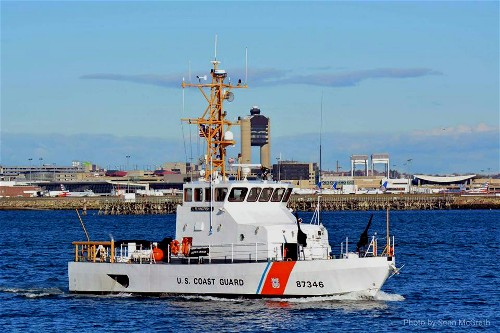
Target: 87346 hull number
pixel 310 284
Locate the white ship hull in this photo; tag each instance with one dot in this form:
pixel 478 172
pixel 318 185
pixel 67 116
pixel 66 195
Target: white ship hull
pixel 261 279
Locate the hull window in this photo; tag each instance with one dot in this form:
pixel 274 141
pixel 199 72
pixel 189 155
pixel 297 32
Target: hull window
pixel 254 194
pixel 188 194
pixel 277 194
pixel 237 194
pixel 265 195
pixel 208 194
pixel 220 193
pixel 287 195
pixel 198 194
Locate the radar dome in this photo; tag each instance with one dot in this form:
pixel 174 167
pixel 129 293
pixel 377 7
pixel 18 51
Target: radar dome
pixel 254 110
pixel 229 136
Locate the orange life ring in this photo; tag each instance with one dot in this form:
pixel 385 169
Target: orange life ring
pixel 391 251
pixel 175 247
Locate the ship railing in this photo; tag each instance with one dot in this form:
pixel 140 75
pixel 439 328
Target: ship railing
pixel 230 253
pixel 96 251
pixel 389 248
pixel 106 251
pixel 130 252
pixel 370 251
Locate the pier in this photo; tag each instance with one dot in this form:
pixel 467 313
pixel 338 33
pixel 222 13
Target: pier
pixel 394 202
pixel 168 204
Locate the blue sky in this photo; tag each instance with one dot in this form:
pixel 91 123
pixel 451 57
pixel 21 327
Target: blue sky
pixel 96 81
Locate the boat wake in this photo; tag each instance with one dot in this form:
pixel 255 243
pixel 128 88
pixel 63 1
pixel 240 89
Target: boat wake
pixel 209 298
pixel 105 296
pixel 353 296
pixel 383 296
pixel 33 292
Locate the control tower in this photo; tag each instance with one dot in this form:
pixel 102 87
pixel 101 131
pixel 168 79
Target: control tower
pixel 255 131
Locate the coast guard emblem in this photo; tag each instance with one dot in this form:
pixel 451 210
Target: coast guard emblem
pixel 275 282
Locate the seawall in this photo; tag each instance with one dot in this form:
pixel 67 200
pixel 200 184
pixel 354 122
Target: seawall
pixel 167 205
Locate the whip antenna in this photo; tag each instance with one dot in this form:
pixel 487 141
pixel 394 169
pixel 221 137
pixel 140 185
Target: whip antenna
pixel 246 64
pixel 83 225
pixel 189 71
pixel 182 123
pixel 215 55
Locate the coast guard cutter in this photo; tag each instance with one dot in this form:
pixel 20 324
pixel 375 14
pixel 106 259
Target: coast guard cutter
pixel 234 238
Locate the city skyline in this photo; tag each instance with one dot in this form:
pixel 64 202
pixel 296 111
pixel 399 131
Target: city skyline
pixel 99 81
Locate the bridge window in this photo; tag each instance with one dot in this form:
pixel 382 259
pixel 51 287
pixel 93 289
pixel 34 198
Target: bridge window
pixel 277 194
pixel 220 193
pixel 254 194
pixel 198 194
pixel 237 194
pixel 188 194
pixel 287 195
pixel 208 194
pixel 265 195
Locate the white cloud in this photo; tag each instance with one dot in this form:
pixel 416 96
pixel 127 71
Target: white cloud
pixel 273 77
pixel 456 130
pixel 471 149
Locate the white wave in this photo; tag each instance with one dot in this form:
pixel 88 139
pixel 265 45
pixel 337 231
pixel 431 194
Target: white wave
pixel 210 298
pixel 383 296
pixel 122 295
pixel 119 295
pixel 33 292
pixel 352 296
pixel 35 295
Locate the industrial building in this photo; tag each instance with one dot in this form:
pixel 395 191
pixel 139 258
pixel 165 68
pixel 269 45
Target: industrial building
pixel 304 175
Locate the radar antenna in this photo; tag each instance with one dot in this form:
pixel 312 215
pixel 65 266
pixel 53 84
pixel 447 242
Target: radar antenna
pixel 212 125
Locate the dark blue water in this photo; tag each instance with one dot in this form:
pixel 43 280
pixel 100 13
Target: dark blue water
pixel 450 279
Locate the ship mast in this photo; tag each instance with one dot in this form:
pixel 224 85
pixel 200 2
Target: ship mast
pixel 213 125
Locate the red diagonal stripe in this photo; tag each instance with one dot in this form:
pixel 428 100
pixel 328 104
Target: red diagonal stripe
pixel 280 272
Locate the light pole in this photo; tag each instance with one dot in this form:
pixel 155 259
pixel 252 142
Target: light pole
pixel 279 172
pixel 30 159
pixel 128 177
pixel 409 173
pixel 41 173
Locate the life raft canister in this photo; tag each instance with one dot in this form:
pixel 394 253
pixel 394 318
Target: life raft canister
pixel 174 247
